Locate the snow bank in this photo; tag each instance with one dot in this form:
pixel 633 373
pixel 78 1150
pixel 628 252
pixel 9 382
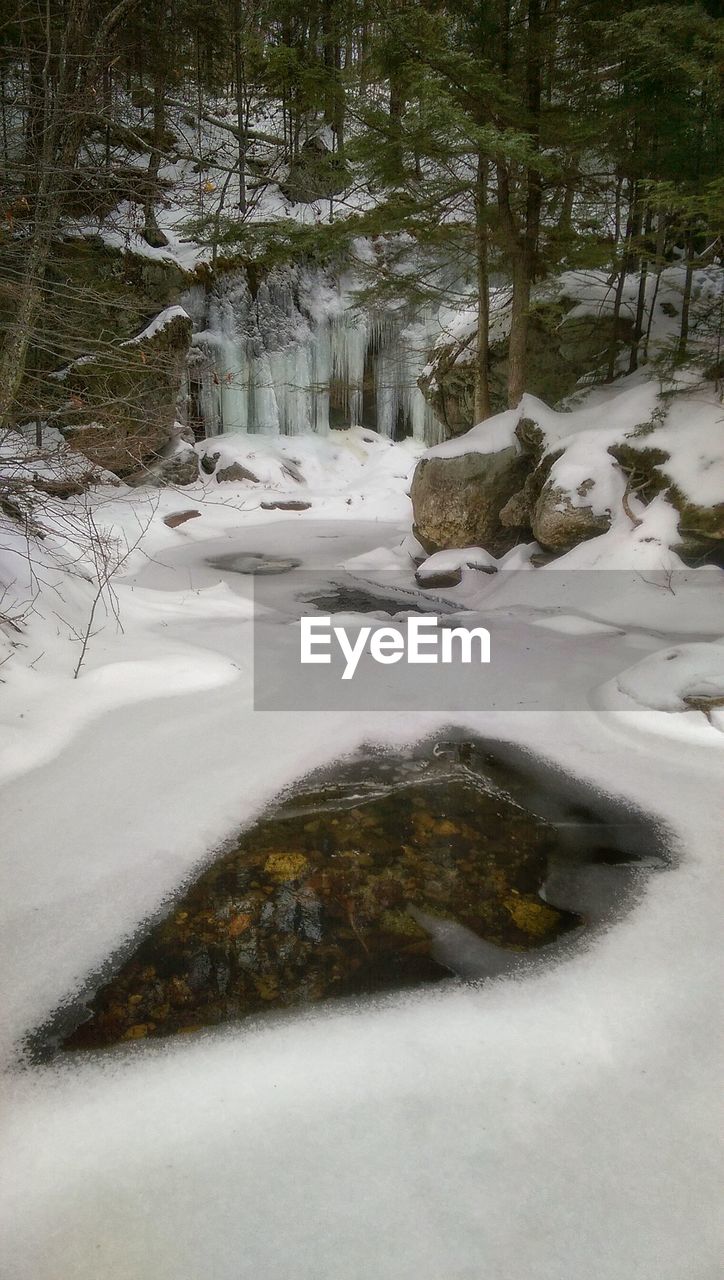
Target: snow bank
pixel 680 679
pixel 356 461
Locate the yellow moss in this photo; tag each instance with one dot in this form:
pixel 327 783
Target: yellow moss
pixel 285 866
pixel 531 915
pixel 138 1031
pixel 401 923
pixel 267 987
pixel 238 924
pixel 443 827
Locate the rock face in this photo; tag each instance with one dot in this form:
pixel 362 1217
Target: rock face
pixel 120 409
pixel 561 350
pixel 558 524
pixel 457 501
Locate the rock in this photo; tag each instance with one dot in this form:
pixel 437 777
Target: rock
pixel 178 465
pixel 180 517
pixel 446 568
pixel 120 410
pixel 559 525
pixel 275 922
pixel 516 513
pixel 441 578
pixel 457 501
pixel 291 505
pixel 253 563
pixel 181 467
pixel 234 471
pixel 701 527
pixel 208 463
pixel 560 351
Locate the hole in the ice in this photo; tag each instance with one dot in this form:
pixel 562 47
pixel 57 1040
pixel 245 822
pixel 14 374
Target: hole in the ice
pixel 390 872
pixel 359 599
pixel 253 563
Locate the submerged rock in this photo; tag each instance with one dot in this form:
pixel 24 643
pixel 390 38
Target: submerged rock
pixel 253 563
pixel 324 902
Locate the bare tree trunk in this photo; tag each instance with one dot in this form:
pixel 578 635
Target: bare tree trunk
pixel 660 250
pixel 65 101
pixel 638 332
pixel 518 341
pixel 152 233
pixel 240 111
pixel 483 408
pixel 524 245
pixel 397 108
pixel 686 300
pixel 620 285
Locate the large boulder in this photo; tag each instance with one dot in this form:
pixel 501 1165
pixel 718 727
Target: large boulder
pixel 562 349
pixel 119 408
pixel 457 499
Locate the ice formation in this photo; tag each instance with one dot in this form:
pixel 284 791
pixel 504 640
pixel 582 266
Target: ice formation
pixel 298 354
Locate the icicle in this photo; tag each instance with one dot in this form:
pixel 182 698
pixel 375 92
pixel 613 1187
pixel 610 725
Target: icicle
pixel 270 362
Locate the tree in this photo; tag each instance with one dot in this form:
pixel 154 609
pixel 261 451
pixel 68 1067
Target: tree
pixel 73 53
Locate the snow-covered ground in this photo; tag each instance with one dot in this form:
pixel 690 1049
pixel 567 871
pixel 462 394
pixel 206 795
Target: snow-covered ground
pixel 550 1128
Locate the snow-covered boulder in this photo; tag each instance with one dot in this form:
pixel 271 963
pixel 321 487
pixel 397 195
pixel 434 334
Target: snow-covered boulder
pixel 460 487
pixel 445 568
pixel 688 677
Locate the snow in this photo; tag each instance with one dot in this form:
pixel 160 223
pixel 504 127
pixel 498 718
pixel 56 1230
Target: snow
pixel 665 679
pixel 571 624
pixel 450 561
pixel 159 322
pixel 692 437
pixel 542 1128
pixel 485 437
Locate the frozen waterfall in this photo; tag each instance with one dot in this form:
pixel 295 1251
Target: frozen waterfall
pixel 300 354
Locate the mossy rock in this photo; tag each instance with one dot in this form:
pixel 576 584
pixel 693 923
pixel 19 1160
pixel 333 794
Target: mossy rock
pixel 561 351
pixel 95 294
pixel 119 408
pixel 701 528
pixel 457 502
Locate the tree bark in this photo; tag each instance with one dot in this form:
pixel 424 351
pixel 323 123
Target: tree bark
pixel 686 300
pixel 483 408
pixel 240 109
pixel 152 233
pixel 65 106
